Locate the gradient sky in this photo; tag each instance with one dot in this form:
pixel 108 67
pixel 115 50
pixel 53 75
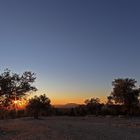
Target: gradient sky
pixel 76 47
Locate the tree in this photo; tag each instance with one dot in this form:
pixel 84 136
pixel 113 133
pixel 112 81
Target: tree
pixel 92 101
pixel 93 105
pixel 126 93
pixel 38 104
pixel 14 86
pixel 109 100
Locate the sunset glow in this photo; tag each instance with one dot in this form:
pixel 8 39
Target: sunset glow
pixel 16 101
pixel 19 104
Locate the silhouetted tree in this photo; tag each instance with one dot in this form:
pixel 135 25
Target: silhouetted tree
pixel 93 105
pixel 92 101
pixel 38 104
pixel 126 93
pixel 109 100
pixel 14 86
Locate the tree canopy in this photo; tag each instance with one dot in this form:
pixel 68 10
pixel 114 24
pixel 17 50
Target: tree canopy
pixel 125 92
pixel 93 105
pixel 92 101
pixel 14 86
pixel 38 104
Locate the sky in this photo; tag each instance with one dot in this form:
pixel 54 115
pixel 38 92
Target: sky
pixel 75 47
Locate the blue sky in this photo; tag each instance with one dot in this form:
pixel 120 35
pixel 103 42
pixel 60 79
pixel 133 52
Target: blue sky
pixel 76 47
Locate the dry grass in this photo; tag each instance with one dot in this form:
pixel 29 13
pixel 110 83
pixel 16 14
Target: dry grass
pixel 70 128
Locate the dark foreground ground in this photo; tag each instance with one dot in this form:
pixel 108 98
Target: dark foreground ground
pixel 70 128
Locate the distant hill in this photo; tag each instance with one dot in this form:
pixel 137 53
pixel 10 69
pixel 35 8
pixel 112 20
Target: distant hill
pixel 69 105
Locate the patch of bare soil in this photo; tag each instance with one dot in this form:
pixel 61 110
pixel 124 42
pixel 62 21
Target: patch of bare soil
pixel 70 128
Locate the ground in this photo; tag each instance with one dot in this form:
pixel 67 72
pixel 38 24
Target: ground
pixel 70 128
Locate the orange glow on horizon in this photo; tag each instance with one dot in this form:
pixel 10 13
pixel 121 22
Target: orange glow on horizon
pixel 65 101
pixel 76 100
pixel 65 97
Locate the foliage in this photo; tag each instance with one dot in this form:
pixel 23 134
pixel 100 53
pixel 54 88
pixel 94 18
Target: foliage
pixel 125 93
pixel 14 86
pixel 93 106
pixel 110 100
pixel 37 104
pixel 80 110
pixel 92 101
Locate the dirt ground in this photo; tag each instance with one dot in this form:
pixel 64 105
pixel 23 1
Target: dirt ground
pixel 70 128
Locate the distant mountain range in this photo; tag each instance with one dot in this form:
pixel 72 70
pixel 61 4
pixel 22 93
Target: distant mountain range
pixel 69 105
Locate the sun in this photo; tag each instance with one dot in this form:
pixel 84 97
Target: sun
pixel 19 104
pixel 16 101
